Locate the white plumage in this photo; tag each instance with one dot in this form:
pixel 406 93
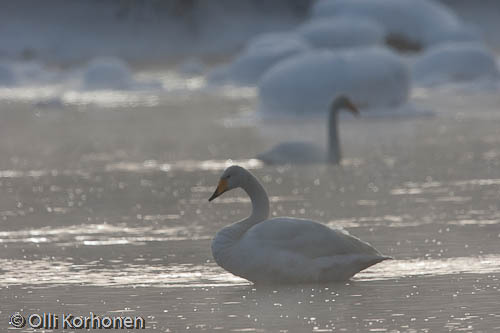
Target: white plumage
pixel 284 249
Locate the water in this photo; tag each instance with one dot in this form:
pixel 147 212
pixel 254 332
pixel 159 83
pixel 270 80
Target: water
pixel 106 211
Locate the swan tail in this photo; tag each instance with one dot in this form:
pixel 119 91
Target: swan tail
pixel 265 157
pixel 344 267
pixel 373 261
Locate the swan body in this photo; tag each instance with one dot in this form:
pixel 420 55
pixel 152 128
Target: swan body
pixel 293 153
pixel 284 249
pixel 303 152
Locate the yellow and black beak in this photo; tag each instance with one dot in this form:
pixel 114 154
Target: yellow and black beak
pixel 352 108
pixel 221 188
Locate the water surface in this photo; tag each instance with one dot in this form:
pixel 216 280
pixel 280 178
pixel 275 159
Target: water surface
pixel 105 210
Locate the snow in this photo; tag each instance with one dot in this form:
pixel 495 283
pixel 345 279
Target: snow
pixel 452 62
pixel 372 77
pixel 44 61
pixel 424 21
pixel 342 32
pixel 272 39
pixel 259 56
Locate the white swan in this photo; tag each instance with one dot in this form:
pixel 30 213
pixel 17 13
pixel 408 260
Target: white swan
pixel 284 249
pixel 304 152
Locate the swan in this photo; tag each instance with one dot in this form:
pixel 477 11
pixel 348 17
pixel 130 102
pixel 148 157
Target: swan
pixel 284 249
pixel 304 152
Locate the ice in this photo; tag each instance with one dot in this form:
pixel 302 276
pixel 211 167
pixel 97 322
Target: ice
pixel 372 77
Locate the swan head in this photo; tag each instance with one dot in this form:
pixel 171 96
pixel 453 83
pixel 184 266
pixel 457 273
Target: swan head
pixel 343 102
pixel 231 178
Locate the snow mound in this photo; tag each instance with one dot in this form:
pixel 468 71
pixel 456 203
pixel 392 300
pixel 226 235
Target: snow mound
pixel 7 75
pixel 342 32
pixel 108 73
pixel 112 74
pixel 260 55
pixel 372 77
pixel 424 22
pixel 34 73
pixel 270 39
pixel 454 62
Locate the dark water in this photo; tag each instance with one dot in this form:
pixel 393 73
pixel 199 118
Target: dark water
pixel 106 211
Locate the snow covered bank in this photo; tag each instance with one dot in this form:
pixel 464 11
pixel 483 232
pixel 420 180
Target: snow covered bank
pixel 264 51
pixel 61 31
pixel 422 22
pixel 452 62
pixel 372 77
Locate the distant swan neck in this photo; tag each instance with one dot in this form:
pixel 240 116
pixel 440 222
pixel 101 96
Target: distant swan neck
pixel 334 154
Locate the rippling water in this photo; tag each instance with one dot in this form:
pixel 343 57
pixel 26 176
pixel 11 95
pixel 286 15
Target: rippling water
pixel 106 211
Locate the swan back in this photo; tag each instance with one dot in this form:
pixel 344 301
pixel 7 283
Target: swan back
pixel 293 152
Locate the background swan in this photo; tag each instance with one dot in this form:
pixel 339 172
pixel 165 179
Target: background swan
pixel 304 152
pixel 284 249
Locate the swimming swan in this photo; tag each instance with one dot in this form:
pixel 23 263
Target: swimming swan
pixel 304 152
pixel 284 249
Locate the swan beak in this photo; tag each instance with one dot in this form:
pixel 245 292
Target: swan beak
pixel 221 188
pixel 352 108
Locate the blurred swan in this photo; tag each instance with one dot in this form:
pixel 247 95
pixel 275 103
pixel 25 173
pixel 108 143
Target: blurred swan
pixel 284 249
pixel 304 152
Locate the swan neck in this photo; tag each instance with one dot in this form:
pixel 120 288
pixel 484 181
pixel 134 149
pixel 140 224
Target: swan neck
pixel 231 234
pixel 259 198
pixel 334 154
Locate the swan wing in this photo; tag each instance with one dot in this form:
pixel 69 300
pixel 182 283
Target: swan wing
pixel 293 152
pixel 307 238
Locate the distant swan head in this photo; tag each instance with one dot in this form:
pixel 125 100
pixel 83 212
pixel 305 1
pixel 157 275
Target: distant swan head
pixel 343 102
